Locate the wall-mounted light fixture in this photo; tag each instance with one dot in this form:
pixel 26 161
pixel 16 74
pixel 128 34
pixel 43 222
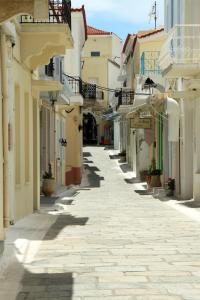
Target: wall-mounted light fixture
pixel 63 142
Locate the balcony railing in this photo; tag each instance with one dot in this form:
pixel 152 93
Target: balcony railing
pixel 182 46
pixel 59 12
pixel 87 90
pixel 125 97
pixel 149 64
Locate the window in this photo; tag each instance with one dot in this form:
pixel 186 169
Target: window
pixel 95 53
pixel 49 68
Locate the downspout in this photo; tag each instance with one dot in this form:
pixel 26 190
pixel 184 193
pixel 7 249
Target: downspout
pixel 4 77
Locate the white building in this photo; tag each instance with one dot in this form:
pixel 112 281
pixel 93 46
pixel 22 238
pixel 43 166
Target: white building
pixel 179 62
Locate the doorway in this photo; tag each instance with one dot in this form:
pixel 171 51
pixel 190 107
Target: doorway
pixel 89 129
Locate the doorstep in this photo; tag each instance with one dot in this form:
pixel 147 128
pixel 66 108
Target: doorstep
pixel 23 239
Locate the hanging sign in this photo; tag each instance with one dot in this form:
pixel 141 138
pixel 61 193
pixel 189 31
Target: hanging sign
pixel 143 123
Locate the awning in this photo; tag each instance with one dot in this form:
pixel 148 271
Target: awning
pixel 111 117
pixel 140 102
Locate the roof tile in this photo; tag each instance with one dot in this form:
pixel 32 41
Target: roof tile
pixel 95 31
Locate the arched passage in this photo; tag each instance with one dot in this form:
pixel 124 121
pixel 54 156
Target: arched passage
pixel 89 129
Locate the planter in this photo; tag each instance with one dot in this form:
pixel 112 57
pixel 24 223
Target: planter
pixel 143 175
pixel 155 181
pixel 148 180
pixel 49 186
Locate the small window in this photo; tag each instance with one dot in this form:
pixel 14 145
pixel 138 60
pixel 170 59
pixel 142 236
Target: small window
pixel 95 53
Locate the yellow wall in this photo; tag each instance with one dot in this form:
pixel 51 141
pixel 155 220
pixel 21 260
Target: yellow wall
pixel 23 142
pixel 74 139
pixel 97 67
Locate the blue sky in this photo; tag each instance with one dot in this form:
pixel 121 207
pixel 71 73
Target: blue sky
pixel 120 17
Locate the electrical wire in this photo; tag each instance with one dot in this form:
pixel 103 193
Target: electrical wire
pixel 105 88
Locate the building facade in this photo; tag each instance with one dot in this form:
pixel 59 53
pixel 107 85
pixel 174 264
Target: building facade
pixel 141 122
pixel 25 45
pixel 101 66
pixel 180 66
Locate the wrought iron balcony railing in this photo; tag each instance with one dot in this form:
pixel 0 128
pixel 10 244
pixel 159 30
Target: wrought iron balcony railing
pixel 125 96
pixel 149 63
pixel 182 46
pixel 59 12
pixel 87 90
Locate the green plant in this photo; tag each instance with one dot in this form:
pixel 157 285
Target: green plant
pixel 152 169
pixel 156 172
pixel 171 184
pixel 48 174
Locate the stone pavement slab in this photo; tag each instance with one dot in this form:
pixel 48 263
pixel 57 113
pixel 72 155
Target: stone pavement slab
pixel 105 241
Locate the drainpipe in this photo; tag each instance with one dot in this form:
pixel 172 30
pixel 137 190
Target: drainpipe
pixel 4 77
pixel 173 111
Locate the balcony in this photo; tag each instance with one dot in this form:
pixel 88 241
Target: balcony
pixel 10 8
pixel 180 55
pixel 50 76
pixel 59 12
pixel 149 65
pixel 125 96
pixel 90 93
pixel 41 39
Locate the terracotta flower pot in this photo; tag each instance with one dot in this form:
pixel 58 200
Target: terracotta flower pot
pixel 49 186
pixel 148 180
pixel 155 181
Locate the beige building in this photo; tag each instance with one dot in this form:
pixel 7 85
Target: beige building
pixel 101 66
pixel 139 65
pixel 25 45
pixel 74 111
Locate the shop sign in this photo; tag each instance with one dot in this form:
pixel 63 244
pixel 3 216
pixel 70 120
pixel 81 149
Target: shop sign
pixel 145 114
pixel 143 123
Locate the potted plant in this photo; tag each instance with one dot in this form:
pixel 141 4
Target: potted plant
pixel 49 183
pixel 170 187
pixel 148 177
pixel 155 178
pixel 143 175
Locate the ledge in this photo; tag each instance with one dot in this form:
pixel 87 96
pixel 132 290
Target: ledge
pixel 40 41
pixel 37 8
pixel 47 85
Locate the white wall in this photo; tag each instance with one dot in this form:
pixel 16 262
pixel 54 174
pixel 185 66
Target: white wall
pixel 113 74
pixel 116 135
pixel 181 12
pixel 72 65
pixel 117 46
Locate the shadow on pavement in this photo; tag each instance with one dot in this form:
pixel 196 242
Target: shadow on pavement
pixel 66 202
pixel 46 286
pixel 191 204
pixel 91 178
pixel 48 200
pixel 115 156
pixel 61 222
pixel 144 192
pixel 87 154
pixel 109 147
pixel 125 168
pixel 132 180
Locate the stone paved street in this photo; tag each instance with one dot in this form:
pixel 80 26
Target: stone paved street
pixel 109 242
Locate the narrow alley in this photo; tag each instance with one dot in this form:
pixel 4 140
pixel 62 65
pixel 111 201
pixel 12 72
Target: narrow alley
pixel 107 242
